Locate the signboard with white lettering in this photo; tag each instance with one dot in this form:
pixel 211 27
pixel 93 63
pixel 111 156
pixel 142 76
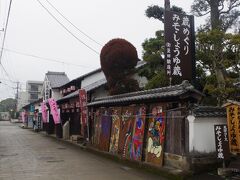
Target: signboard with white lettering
pixel 221 141
pixel 179 46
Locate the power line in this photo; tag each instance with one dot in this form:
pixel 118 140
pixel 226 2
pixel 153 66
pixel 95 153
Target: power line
pixel 9 64
pixel 44 58
pixel 10 81
pixel 5 30
pixel 67 29
pixel 73 24
pixel 7 85
pixel 6 72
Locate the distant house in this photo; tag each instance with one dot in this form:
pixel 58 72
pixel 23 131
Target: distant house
pixel 52 83
pixel 32 93
pixel 5 116
pixel 32 117
pixel 95 84
pixel 33 89
pixel 51 89
pixel 22 100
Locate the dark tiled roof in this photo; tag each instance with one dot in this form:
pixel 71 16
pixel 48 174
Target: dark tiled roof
pixel 95 84
pixel 57 79
pixel 34 102
pixel 153 94
pixel 71 95
pixel 87 88
pixel 80 78
pixel 209 111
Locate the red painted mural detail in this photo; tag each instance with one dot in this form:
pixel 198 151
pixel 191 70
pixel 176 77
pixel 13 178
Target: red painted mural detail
pixel 106 123
pixel 116 119
pixel 126 129
pixel 97 128
pixel 156 135
pixel 135 148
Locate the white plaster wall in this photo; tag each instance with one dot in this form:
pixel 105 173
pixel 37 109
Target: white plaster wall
pixel 142 81
pixel 22 100
pixel 100 92
pixel 92 79
pixel 56 94
pixel 201 133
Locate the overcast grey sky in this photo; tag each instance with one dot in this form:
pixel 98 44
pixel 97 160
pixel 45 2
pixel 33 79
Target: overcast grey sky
pixel 32 30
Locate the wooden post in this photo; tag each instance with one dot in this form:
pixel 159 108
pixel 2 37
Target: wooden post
pixel 167 5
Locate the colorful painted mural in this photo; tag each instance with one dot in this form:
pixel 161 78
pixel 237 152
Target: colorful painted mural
pixel 116 119
pixel 156 135
pixel 126 129
pixel 134 151
pixel 106 124
pixel 97 128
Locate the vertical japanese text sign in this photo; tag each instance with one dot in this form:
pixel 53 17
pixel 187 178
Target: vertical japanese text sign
pixel 83 107
pixel 54 110
pixel 179 46
pixel 233 119
pixel 221 141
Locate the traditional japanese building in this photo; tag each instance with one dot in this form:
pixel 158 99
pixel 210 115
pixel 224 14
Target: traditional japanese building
pixel 51 89
pixel 156 127
pixel 95 85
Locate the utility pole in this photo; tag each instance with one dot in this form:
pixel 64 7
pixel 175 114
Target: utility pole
pixel 17 95
pixel 167 5
pixel 167 8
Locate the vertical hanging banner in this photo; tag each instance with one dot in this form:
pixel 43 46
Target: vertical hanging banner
pixel 179 46
pixel 233 119
pixel 44 112
pixel 83 108
pixel 221 141
pixel 54 110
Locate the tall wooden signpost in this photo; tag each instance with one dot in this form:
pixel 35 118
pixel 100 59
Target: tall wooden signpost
pixel 222 142
pixel 233 120
pixel 179 47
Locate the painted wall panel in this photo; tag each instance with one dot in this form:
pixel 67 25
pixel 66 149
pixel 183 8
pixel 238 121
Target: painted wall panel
pixel 97 127
pixel 135 148
pixel 106 123
pixel 116 119
pixel 156 135
pixel 126 130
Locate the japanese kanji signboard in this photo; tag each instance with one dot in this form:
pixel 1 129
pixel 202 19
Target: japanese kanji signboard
pixel 233 119
pixel 179 46
pixel 221 141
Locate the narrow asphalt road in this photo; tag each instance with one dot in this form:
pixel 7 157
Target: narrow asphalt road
pixel 25 155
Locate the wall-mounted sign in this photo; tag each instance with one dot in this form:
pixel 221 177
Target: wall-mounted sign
pixel 233 119
pixel 72 88
pixel 179 46
pixel 221 141
pixel 47 90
